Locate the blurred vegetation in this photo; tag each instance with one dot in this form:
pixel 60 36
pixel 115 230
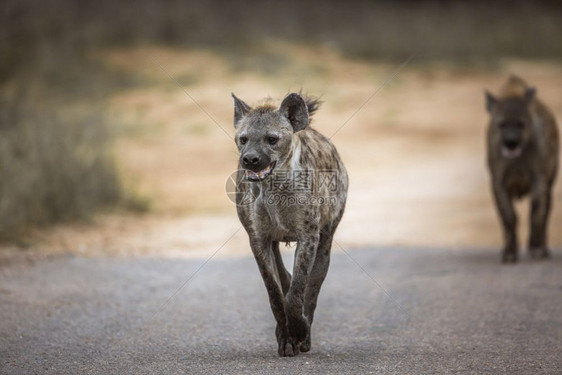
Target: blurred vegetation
pixel 53 166
pixel 460 31
pixel 56 161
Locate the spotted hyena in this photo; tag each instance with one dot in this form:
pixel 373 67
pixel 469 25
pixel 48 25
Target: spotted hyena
pixel 523 160
pixel 298 188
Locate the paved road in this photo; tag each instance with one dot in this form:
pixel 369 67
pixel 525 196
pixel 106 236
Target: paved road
pixel 441 311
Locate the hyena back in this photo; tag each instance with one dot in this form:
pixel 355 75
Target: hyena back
pixel 523 160
pixel 298 188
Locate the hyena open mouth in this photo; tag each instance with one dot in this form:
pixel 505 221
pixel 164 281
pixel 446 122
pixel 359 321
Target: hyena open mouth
pixel 511 152
pixel 260 175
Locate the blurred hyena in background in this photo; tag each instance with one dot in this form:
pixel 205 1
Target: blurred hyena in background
pixel 523 159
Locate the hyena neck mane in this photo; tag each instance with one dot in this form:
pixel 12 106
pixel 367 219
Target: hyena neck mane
pixel 267 106
pixel 515 99
pixel 292 160
pixel 312 103
pixel 514 88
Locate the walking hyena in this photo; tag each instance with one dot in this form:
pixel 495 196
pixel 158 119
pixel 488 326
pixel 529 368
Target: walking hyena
pixel 299 186
pixel 523 159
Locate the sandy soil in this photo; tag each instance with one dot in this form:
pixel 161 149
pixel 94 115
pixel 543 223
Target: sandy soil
pixel 414 152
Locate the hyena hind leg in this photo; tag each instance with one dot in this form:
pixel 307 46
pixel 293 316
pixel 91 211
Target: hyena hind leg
pixel 317 276
pixel 284 275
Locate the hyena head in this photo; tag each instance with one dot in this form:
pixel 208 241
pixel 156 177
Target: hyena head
pixel 264 135
pixel 511 121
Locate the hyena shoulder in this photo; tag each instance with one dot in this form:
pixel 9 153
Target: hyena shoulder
pixel 317 151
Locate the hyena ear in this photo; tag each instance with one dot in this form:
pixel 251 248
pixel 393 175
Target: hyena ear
pixel 241 109
pixel 294 109
pixel 530 94
pixel 491 101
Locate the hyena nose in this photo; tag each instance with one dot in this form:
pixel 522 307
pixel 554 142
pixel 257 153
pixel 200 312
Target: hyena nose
pixel 250 159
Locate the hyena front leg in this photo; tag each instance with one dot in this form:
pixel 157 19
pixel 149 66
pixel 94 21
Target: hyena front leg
pixel 509 222
pixel 265 259
pixel 297 323
pixel 540 209
pixel 317 276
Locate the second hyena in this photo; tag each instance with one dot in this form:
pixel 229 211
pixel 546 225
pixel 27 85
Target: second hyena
pixel 298 188
pixel 523 159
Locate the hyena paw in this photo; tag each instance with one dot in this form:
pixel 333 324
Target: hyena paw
pixel 287 346
pixel 306 344
pixel 509 256
pixel 539 252
pixel 298 328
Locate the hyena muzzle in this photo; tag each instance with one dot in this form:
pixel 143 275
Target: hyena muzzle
pixel 523 160
pixel 298 188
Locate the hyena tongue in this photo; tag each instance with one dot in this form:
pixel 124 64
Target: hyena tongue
pixel 263 174
pixel 252 175
pixel 510 154
pixel 260 175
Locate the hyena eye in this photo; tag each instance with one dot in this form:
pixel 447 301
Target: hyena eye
pixel 272 140
pixel 243 140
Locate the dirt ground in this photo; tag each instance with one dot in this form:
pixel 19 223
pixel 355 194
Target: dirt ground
pixel 414 152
